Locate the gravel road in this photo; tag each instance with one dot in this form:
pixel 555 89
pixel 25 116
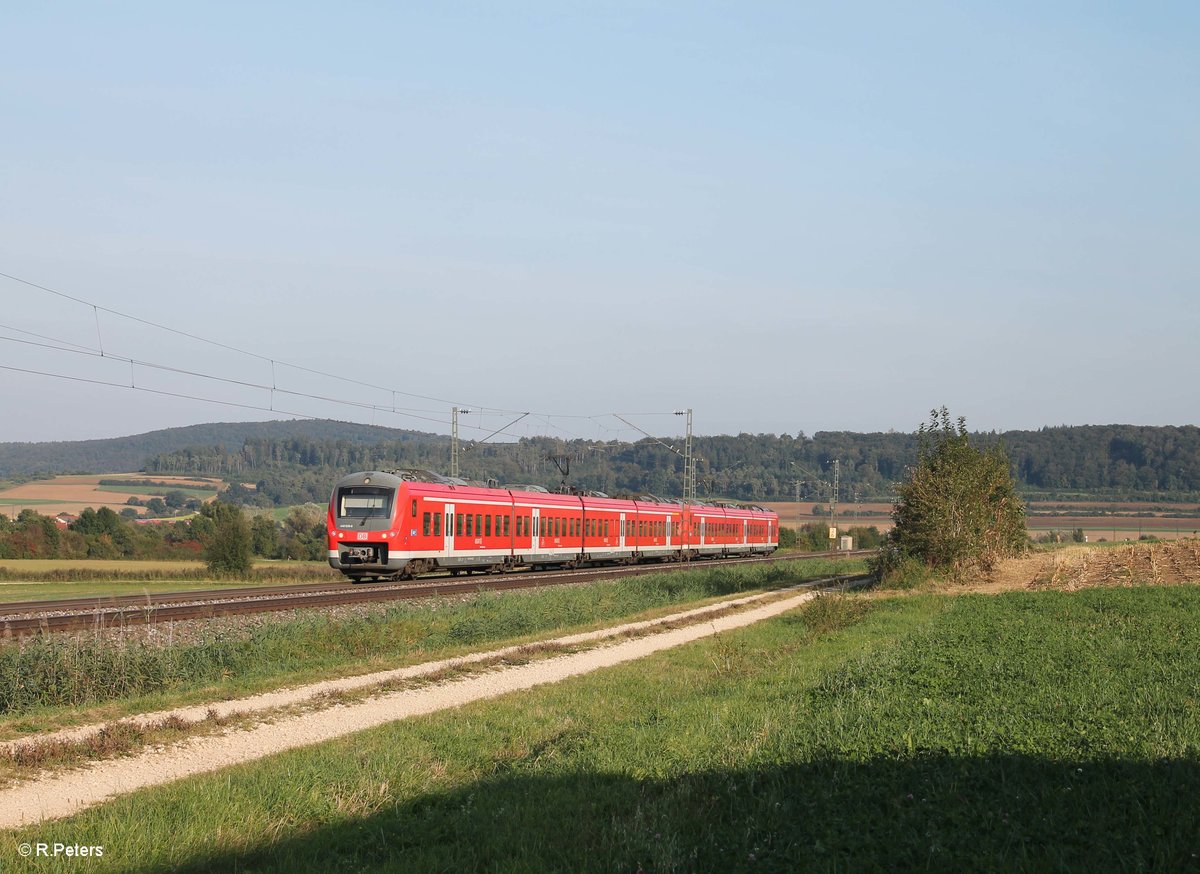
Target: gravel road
pixel 59 794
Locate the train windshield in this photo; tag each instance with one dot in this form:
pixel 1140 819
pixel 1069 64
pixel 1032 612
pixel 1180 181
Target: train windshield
pixel 363 502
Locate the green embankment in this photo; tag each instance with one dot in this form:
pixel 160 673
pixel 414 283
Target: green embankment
pixel 1041 731
pixel 45 682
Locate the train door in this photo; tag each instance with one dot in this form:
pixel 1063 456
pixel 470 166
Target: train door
pixel 537 528
pixel 621 532
pixel 448 530
pixel 745 533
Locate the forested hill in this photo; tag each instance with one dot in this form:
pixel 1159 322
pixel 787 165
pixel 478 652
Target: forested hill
pixel 125 454
pixel 1117 460
pixel 292 462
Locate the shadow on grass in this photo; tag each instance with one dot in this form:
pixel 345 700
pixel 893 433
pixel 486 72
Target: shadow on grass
pixel 1001 812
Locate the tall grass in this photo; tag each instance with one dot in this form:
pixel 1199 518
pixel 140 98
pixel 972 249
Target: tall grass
pixel 1029 732
pixel 62 671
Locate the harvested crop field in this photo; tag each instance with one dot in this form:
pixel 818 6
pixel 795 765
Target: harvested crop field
pixel 1087 567
pixel 71 494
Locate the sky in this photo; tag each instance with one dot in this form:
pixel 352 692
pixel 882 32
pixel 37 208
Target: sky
pixel 784 216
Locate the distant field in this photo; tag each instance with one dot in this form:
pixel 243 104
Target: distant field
pixel 41 565
pixel 203 494
pixel 72 494
pixel 27 579
pixel 1119 522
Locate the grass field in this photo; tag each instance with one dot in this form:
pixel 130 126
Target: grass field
pixel 1025 731
pixel 29 579
pixel 61 680
pixel 202 494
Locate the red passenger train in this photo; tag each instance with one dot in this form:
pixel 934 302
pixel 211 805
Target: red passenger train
pixel 399 524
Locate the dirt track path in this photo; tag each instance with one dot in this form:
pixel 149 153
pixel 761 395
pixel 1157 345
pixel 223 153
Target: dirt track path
pixel 61 794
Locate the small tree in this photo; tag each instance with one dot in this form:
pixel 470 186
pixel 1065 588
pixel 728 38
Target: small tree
pixel 264 535
pixel 958 508
pixel 228 546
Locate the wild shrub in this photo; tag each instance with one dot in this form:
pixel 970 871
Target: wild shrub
pixel 958 509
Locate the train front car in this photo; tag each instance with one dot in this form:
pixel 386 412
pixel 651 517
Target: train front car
pixel 362 528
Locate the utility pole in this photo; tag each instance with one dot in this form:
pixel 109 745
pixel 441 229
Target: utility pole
pixel 454 440
pixel 833 503
pixel 689 462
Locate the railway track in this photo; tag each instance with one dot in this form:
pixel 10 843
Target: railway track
pixel 27 618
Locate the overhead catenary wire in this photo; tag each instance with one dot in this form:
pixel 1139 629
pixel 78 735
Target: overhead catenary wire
pixel 62 345
pixel 97 308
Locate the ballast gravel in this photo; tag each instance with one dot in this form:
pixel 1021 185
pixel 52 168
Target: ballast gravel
pixel 64 793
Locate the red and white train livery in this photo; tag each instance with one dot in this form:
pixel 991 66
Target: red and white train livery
pixel 404 523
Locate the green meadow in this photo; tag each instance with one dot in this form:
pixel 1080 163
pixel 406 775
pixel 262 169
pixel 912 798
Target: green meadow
pixel 1045 731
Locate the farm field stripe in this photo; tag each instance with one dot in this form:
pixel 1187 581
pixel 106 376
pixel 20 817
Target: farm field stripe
pixel 67 793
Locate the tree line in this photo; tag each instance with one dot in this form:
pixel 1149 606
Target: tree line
pixel 1116 461
pixel 105 534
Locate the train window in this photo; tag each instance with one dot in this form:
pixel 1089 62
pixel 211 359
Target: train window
pixel 605 527
pixel 478 524
pixel 487 525
pixel 437 525
pixel 458 525
pixel 414 508
pixel 362 501
pixel 425 523
pixel 506 524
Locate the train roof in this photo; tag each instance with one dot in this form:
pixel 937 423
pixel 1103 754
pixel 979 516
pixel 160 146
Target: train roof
pixel 396 477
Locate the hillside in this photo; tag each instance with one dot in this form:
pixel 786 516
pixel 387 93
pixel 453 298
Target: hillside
pixel 292 462
pixel 128 454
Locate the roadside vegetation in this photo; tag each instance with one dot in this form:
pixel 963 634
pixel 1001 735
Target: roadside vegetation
pixel 51 678
pixel 1023 731
pixel 956 511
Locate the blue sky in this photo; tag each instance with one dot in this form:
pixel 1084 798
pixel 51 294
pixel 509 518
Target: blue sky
pixel 785 216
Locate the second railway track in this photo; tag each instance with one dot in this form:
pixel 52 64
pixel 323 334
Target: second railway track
pixel 26 618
